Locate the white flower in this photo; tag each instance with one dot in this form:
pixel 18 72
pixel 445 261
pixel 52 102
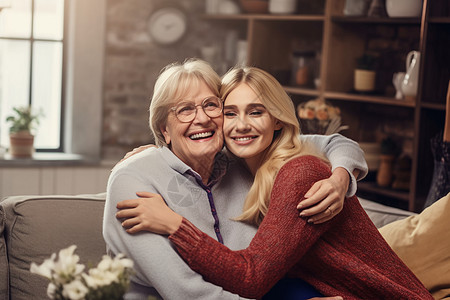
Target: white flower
pixel 51 289
pixel 120 263
pixel 105 263
pixel 66 267
pixel 45 269
pixel 98 278
pixel 68 282
pixel 116 265
pixel 75 290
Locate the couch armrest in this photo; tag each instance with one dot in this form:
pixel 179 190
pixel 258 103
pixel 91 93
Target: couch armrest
pixel 37 226
pixel 4 268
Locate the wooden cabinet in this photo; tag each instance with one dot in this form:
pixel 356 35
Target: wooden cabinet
pixel 338 41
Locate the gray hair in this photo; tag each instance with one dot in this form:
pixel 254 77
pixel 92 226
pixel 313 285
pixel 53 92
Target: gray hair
pixel 173 83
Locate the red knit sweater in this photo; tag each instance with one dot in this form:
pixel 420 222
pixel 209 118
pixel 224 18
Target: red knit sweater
pixel 346 256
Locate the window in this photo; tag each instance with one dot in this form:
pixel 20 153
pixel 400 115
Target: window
pixel 31 66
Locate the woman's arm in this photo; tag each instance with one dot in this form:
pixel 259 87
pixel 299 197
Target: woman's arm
pixel 325 199
pixel 282 239
pixel 149 212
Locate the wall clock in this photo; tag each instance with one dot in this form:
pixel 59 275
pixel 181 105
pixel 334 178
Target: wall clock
pixel 167 25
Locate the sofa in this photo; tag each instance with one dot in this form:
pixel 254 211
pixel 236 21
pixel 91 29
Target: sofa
pixel 34 227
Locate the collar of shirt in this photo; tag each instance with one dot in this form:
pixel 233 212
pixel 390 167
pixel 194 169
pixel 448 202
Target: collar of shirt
pixel 221 162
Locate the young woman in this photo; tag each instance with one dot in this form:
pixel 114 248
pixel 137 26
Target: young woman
pixel 345 256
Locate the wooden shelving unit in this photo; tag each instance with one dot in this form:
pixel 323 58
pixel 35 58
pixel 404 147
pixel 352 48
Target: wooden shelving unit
pixel 340 40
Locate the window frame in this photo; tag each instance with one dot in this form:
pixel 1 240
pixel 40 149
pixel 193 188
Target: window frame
pixel 31 39
pixel 83 52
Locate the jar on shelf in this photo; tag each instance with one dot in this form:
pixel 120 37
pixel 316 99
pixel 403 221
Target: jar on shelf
pixel 303 68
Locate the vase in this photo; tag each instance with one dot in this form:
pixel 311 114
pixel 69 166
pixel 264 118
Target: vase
pixel 397 80
pixel 282 6
pixel 411 80
pixel 364 80
pixel 385 170
pixel 404 8
pixel 356 7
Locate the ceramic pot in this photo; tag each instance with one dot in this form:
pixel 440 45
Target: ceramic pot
pixel 21 144
pixel 356 7
pixel 404 8
pixel 411 80
pixel 282 6
pixel 397 80
pixel 212 6
pixel 385 170
pixel 364 80
pixel 228 7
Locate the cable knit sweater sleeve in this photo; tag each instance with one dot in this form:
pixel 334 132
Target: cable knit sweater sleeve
pixel 282 239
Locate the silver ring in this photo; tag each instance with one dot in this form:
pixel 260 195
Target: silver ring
pixel 331 211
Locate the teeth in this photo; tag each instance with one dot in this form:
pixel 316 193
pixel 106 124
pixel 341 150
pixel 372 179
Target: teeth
pixel 243 139
pixel 201 135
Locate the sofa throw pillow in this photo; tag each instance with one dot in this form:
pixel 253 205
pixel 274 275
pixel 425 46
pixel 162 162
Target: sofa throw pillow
pixel 423 243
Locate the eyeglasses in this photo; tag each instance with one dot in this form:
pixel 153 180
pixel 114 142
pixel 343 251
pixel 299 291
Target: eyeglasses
pixel 186 111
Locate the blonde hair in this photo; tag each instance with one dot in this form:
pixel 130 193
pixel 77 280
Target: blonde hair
pixel 286 143
pixel 174 82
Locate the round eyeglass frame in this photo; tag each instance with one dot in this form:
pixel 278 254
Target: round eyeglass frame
pixel 192 116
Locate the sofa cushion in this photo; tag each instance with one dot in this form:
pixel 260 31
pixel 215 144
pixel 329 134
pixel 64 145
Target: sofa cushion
pixel 423 243
pixel 37 226
pixel 4 270
pixel 382 214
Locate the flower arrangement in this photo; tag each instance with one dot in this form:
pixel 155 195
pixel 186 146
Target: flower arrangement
pixel 319 117
pixel 109 280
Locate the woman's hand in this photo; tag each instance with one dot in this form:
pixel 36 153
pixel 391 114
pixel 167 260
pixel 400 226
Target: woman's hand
pixel 149 212
pixel 325 199
pixel 136 151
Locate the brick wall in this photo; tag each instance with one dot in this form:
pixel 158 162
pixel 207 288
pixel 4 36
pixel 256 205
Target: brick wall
pixel 132 64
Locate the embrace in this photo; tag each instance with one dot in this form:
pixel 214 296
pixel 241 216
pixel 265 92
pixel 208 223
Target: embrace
pixel 271 216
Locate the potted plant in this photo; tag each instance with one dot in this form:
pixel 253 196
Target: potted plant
pixel 23 121
pixel 364 77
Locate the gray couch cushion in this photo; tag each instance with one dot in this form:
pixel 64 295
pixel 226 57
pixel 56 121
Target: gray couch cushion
pixel 381 214
pixel 37 226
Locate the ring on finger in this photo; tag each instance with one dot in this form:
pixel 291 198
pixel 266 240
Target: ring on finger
pixel 331 211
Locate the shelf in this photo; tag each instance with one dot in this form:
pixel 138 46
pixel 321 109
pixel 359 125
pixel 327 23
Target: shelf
pixel 266 17
pixel 437 106
pixel 439 20
pixel 372 187
pixel 301 91
pixel 368 99
pixel 341 39
pixel 345 19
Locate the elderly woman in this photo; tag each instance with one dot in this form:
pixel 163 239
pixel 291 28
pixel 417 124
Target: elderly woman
pixel 198 181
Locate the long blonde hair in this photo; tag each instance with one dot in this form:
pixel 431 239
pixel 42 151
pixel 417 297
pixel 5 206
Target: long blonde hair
pixel 173 83
pixel 286 143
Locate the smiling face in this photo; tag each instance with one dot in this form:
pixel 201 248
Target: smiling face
pixel 197 142
pixel 248 126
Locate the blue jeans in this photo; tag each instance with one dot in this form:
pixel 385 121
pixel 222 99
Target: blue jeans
pixel 292 289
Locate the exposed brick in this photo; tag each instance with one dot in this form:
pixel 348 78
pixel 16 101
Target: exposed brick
pixel 132 64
